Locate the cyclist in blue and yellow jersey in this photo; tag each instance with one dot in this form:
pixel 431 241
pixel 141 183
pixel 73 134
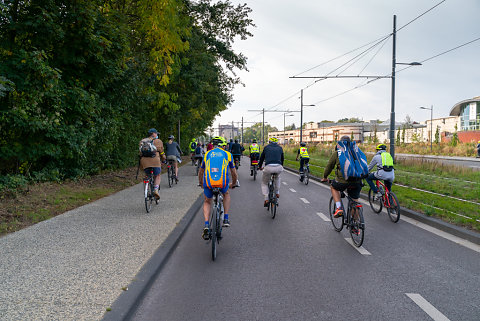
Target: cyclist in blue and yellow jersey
pixel 385 170
pixel 214 172
pixel 304 158
pixel 254 154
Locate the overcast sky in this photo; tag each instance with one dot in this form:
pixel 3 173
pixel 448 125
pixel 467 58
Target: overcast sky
pixel 291 37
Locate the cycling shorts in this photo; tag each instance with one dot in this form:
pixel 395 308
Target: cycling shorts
pixel 156 170
pixel 353 189
pixel 209 193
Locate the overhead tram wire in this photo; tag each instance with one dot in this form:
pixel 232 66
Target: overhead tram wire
pixel 421 15
pixel 379 40
pixel 407 67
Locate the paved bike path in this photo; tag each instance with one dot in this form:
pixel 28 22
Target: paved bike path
pixel 74 266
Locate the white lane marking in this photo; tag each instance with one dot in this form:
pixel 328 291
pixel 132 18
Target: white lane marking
pixel 292 190
pixel 427 307
pixel 284 183
pixel 474 166
pixel 450 237
pixel 360 249
pixel 305 200
pixel 323 217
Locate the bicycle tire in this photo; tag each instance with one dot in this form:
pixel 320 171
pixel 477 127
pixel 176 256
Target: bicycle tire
pixel 169 173
pixel 213 233
pixel 394 209
pixel 254 173
pixel 376 205
pixel 273 206
pixel 336 222
pixel 173 176
pixel 307 176
pixel 358 226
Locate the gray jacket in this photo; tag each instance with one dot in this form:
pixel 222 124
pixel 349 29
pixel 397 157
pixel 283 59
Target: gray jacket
pixel 380 173
pixel 172 149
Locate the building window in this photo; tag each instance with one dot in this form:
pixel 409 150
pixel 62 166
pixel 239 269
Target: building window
pixel 313 134
pixel 470 117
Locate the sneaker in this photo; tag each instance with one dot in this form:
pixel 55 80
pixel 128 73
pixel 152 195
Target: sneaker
pixel 265 204
pixel 278 195
pixel 377 196
pixel 251 173
pixel 206 232
pixel 156 194
pixel 226 223
pixel 338 212
pixel 301 178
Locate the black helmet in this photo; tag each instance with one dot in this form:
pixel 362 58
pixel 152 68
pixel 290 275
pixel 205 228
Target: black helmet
pixel 255 140
pixel 303 144
pixel 236 140
pixel 171 137
pixel 152 130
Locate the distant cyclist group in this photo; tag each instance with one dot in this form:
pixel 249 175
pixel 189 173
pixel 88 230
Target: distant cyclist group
pixel 219 160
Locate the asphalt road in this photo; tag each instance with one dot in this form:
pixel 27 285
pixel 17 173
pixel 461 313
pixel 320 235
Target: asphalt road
pixel 297 267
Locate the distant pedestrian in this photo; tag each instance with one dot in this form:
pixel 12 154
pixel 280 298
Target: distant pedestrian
pixel 478 149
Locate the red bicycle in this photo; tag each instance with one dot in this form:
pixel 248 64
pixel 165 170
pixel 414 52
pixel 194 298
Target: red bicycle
pixel 388 199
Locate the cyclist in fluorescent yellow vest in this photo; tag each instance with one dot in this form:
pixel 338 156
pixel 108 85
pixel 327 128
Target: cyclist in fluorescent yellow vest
pixel 304 158
pixel 254 149
pixel 385 170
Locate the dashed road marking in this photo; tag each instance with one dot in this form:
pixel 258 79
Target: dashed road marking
pixel 292 190
pixel 305 200
pixel 360 249
pixel 284 183
pixel 323 217
pixel 427 307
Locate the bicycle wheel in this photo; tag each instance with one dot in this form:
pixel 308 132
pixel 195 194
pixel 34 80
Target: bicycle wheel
pixel 273 206
pixel 173 177
pixel 394 208
pixel 376 204
pixel 357 228
pixel 307 176
pixel 254 173
pixel 169 173
pixel 148 198
pixel 336 222
pixel 213 232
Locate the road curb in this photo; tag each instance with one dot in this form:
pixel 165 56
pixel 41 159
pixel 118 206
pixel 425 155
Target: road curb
pixel 127 303
pixel 434 222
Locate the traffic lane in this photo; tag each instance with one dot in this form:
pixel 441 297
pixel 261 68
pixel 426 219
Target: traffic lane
pixel 293 267
pixel 420 260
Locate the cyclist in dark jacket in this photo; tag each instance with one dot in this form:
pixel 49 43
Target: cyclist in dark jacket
pixel 237 150
pixel 273 156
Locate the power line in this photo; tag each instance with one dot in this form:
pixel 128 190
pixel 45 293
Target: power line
pixel 420 15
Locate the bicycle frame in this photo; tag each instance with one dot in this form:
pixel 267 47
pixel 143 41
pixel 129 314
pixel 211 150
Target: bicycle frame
pixel 385 199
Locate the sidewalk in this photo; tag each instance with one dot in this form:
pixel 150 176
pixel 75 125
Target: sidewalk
pixel 74 266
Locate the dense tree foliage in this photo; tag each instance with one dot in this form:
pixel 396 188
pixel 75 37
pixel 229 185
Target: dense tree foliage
pixel 82 80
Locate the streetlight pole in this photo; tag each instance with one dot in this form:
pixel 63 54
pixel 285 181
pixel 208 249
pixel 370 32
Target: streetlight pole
pixel 301 115
pixel 431 123
pixel 394 63
pixel 284 114
pixel 392 111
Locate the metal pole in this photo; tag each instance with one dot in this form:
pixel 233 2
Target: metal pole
pixel 263 126
pixel 431 129
pixel 179 141
pixel 242 130
pixel 392 112
pixel 301 115
pixel 284 128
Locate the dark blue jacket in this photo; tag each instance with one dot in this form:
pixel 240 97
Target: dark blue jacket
pixel 271 154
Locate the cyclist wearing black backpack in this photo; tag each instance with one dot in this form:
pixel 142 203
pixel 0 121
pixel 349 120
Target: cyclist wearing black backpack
pixel 353 185
pixel 151 150
pixel 385 171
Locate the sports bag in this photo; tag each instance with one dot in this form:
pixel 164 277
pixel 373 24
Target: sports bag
pixel 147 148
pixel 353 162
